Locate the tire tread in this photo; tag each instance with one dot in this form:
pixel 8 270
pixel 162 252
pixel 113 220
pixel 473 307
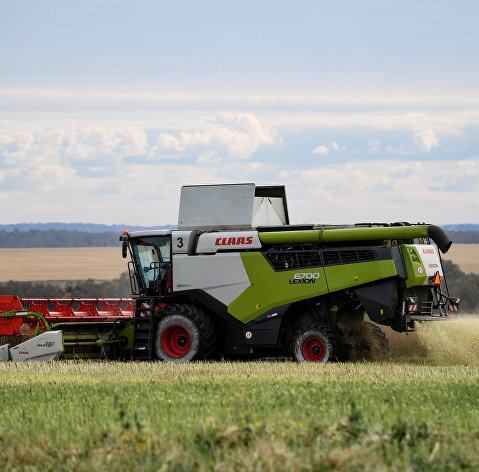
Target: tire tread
pixel 207 343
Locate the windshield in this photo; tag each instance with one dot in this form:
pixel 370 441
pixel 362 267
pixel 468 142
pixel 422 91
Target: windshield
pixel 152 258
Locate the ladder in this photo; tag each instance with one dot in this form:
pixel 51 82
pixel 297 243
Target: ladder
pixel 142 348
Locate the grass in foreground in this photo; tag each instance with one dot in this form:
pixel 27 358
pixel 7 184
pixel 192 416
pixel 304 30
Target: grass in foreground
pixel 238 416
pixel 413 412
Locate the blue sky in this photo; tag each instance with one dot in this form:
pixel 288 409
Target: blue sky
pixel 365 110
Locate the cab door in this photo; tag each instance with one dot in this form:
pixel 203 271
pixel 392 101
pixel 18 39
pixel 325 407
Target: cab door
pixel 152 264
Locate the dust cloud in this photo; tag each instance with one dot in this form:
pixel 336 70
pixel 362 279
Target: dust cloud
pixel 449 342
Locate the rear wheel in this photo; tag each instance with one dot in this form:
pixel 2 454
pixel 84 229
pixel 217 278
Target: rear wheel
pixel 379 342
pixel 184 333
pixel 365 341
pixel 316 342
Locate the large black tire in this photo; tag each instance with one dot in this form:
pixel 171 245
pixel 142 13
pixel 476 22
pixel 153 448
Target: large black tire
pixel 316 342
pixel 379 343
pixel 184 333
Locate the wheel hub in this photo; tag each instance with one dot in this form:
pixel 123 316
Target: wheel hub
pixel 314 349
pixel 175 341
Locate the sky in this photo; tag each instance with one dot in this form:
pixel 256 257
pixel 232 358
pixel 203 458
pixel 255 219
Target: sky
pixel 366 110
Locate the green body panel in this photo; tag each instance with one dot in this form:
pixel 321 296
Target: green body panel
pixel 415 270
pixel 127 333
pixel 270 289
pixel 343 234
pixel 94 334
pixel 350 275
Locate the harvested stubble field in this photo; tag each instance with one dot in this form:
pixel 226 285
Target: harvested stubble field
pixel 42 264
pixel 466 256
pixel 418 410
pixel 106 263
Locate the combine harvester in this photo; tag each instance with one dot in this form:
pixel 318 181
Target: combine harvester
pixel 236 279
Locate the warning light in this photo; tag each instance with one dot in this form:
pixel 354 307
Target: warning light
pixel 437 279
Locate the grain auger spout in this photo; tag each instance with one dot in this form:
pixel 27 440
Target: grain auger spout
pixel 393 233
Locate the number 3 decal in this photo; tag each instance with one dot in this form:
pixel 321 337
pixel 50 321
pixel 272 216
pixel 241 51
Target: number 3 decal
pixel 179 242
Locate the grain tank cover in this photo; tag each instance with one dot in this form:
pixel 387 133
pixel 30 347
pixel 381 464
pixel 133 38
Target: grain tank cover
pixel 232 206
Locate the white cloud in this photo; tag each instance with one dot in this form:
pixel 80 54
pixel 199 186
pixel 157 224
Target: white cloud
pixel 225 135
pixel 15 145
pixel 222 136
pixel 120 98
pixel 112 139
pixel 401 150
pixel 426 140
pixel 100 169
pixel 208 158
pixel 385 191
pixel 75 170
pixel 422 142
pixel 374 145
pixel 168 142
pixel 321 150
pixel 147 193
pixel 446 112
pixel 334 146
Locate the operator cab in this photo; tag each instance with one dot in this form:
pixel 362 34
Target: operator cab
pixel 150 268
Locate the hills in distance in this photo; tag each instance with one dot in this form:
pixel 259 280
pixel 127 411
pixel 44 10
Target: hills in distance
pixel 50 235
pixel 36 235
pixel 461 227
pixel 83 227
pixel 101 228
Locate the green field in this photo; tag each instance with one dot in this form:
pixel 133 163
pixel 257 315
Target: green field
pixel 418 410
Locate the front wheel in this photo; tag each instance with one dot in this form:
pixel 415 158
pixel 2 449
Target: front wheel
pixel 184 333
pixel 316 342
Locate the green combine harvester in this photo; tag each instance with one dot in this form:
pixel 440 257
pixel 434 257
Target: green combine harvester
pixel 235 279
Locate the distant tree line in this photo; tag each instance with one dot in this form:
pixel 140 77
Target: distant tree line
pixel 116 288
pixel 464 237
pixel 461 285
pixel 56 238
pixel 68 238
pixel 90 227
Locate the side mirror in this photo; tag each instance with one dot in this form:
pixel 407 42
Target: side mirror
pixel 124 245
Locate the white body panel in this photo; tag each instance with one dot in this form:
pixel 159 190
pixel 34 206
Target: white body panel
pixel 4 352
pixel 210 243
pixel 183 242
pixel 223 276
pixel 268 211
pixel 216 206
pixel 430 258
pixel 231 206
pixel 44 347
